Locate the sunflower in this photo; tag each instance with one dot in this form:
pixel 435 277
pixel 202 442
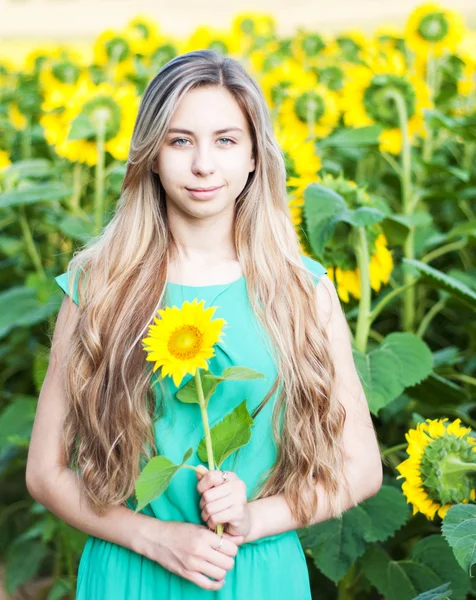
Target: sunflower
pixel 208 37
pixel 434 30
pixel 439 470
pixel 366 98
pixel 183 339
pixel 4 160
pixel 278 82
pixel 339 255
pixel 310 111
pixel 143 34
pixel 72 128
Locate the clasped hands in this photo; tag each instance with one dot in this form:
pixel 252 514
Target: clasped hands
pixel 224 502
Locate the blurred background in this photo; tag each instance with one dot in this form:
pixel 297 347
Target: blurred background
pixel 374 106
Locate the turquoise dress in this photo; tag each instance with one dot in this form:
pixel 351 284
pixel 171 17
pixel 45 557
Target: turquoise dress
pixel 272 567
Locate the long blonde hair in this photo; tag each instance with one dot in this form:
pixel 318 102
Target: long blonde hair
pixel 121 276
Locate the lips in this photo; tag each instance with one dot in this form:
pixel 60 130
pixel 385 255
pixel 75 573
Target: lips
pixel 204 190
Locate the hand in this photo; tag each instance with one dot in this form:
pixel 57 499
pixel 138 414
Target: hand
pixel 224 502
pixel 188 550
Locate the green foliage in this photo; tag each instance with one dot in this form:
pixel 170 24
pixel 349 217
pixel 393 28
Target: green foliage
pixel 400 361
pixel 459 530
pixel 231 433
pixel 336 543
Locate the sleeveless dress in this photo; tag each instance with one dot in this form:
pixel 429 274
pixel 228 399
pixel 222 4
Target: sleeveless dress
pixel 272 567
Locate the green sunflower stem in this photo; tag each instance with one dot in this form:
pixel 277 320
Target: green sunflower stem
pixel 364 315
pixel 345 586
pixel 408 206
pixel 452 464
pixel 206 427
pixel 100 170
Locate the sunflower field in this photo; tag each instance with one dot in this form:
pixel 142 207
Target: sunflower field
pixel 379 137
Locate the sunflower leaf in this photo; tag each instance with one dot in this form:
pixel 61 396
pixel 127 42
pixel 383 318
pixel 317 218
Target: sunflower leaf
pixel 459 530
pixel 438 279
pixel 233 432
pixel 402 360
pixel 241 373
pixel 430 564
pixel 155 478
pixel 336 543
pixel 442 592
pixel 188 393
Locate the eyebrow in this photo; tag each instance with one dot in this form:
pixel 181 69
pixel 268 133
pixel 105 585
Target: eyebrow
pixel 187 131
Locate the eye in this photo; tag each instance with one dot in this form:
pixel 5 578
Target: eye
pixel 229 139
pixel 178 140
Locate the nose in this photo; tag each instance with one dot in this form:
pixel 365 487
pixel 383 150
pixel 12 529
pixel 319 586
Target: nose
pixel 203 161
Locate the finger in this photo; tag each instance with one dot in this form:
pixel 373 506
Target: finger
pixel 214 479
pixel 215 494
pixel 221 517
pixel 236 539
pixel 210 508
pixel 203 581
pixel 211 569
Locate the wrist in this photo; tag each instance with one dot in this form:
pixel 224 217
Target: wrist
pixel 145 534
pixel 254 533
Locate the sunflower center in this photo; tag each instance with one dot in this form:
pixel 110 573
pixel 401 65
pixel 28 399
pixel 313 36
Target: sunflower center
pixel 247 26
pixel 433 27
pixel 446 469
pixel 348 47
pixel 185 342
pixel 117 49
pixel 163 54
pixel 332 77
pixel 219 46
pixel 104 110
pixel 379 103
pixel 310 107
pixel 66 72
pixel 312 44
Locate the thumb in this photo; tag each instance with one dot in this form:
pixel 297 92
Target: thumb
pixel 201 470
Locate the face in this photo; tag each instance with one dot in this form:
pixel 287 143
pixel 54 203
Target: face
pixel 208 145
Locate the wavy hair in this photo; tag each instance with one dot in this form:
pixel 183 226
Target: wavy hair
pixel 108 431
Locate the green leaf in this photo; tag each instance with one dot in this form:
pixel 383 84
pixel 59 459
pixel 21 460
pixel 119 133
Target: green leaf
pixel 442 281
pixel 23 562
pixel 417 219
pixel 459 529
pixel 17 420
pixel 462 229
pixel 362 216
pixel 155 478
pixel 233 432
pixel 30 168
pixel 241 374
pixel 32 194
pixel 82 128
pixel 20 307
pixel 336 543
pixel 431 564
pixel 77 228
pixel 401 360
pixel 435 387
pixel 62 587
pixel 442 592
pixel 189 394
pixel 353 137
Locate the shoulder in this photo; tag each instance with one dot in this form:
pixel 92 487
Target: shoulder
pixel 327 300
pixel 64 282
pixel 314 266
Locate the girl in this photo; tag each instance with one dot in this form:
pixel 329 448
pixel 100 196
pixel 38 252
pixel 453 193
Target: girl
pixel 203 213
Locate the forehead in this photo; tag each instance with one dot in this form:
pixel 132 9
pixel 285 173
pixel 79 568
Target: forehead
pixel 211 108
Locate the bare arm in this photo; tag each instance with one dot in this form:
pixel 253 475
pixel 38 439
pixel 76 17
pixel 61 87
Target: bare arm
pixel 49 480
pixel 272 515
